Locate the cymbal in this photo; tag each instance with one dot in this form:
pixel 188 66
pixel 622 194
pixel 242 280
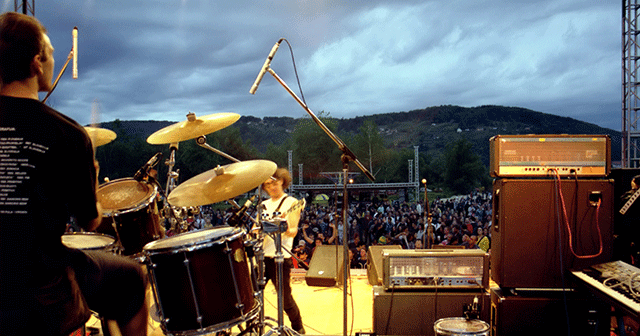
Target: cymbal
pixel 192 128
pixel 222 183
pixel 100 136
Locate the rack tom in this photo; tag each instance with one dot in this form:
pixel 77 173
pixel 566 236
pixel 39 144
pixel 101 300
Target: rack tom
pixel 130 213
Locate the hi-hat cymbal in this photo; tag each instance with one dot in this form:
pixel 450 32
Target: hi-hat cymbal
pixel 222 183
pixel 192 128
pixel 100 136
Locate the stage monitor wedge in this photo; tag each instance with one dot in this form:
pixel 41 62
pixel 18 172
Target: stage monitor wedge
pixel 326 266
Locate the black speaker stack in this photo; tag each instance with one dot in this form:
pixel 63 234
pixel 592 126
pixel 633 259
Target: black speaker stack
pixel 546 221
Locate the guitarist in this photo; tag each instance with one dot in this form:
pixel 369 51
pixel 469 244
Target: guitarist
pixel 278 204
pixel 629 231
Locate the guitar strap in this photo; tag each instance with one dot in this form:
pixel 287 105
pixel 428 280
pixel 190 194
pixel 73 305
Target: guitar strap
pixel 630 202
pixel 280 205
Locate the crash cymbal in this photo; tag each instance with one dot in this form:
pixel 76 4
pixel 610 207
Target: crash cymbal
pixel 100 136
pixel 222 183
pixel 192 128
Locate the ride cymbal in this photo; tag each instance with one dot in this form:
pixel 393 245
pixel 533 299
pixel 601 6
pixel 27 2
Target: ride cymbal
pixel 100 136
pixel 192 128
pixel 222 183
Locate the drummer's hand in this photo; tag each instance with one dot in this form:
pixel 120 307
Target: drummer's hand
pixel 96 165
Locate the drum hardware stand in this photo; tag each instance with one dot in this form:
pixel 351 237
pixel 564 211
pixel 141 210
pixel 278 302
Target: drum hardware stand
pixel 277 228
pixel 202 142
pixel 114 224
pixel 346 157
pixel 166 207
pixel 172 177
pixel 171 162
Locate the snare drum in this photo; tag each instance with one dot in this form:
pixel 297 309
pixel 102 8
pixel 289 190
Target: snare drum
pixel 460 326
pixel 89 241
pixel 130 213
pixel 201 281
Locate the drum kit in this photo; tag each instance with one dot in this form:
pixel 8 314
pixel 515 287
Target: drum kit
pixel 203 281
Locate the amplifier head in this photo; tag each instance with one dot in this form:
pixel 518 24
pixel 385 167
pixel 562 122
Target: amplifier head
pixel 536 155
pixel 431 269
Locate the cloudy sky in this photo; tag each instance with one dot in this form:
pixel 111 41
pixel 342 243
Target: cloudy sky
pixel 160 59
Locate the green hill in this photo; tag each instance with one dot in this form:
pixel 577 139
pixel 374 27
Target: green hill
pixel 432 129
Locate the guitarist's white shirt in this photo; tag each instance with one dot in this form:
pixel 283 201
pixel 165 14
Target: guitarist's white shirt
pixel 292 220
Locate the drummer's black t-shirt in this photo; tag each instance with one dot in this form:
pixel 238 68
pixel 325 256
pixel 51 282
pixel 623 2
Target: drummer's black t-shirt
pixel 46 176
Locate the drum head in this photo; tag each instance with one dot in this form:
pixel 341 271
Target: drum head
pixel 87 240
pixel 190 239
pixel 123 194
pixel 460 326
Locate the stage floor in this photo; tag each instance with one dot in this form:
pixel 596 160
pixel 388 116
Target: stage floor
pixel 321 307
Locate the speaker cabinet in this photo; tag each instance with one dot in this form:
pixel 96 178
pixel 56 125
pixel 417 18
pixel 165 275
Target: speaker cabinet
pixel 326 266
pixel 374 266
pixel 530 234
pixel 545 313
pixel 415 313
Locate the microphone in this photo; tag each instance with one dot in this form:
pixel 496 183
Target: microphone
pixel 74 34
pixel 234 220
pixel 139 175
pixel 265 66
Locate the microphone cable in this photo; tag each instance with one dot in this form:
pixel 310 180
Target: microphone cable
pixel 295 70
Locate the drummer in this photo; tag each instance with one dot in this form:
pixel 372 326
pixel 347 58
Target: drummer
pixel 280 202
pixel 45 287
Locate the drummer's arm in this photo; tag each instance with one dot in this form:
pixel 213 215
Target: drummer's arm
pixel 91 225
pixel 94 223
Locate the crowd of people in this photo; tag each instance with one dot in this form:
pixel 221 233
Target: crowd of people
pixel 462 221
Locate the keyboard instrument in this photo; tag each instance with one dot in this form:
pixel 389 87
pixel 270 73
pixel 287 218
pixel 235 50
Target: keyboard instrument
pixel 615 281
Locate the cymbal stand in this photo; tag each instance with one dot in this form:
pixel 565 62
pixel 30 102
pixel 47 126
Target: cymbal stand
pixel 202 142
pixel 172 177
pixel 171 162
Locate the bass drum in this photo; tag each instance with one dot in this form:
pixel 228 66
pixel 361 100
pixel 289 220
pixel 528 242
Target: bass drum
pixel 201 281
pixel 130 213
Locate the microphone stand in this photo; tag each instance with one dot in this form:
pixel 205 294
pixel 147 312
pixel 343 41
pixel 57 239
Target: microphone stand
pixel 428 219
pixel 346 157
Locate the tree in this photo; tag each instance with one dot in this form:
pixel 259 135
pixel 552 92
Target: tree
pixel 369 146
pixel 315 148
pixel 463 167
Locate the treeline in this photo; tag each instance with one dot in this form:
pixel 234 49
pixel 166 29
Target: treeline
pixel 453 144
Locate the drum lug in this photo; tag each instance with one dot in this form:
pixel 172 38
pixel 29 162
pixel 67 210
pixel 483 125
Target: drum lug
pixel 239 306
